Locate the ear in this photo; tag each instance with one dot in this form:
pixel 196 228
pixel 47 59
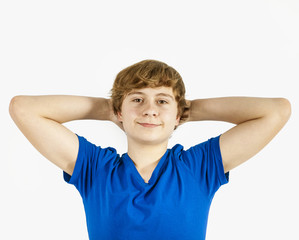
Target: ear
pixel 119 116
pixel 177 121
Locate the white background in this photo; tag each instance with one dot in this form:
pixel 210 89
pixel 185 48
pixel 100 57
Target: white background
pixel 221 48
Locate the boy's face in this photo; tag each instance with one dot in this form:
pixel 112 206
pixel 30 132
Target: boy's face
pixel 149 115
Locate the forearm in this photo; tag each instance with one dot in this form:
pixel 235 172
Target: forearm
pixel 236 109
pixel 63 108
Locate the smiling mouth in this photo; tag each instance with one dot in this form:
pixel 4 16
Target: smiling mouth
pixel 149 125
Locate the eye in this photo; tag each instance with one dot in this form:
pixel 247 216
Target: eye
pixel 138 100
pixel 162 102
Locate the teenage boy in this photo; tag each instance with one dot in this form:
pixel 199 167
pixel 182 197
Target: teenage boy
pixel 150 192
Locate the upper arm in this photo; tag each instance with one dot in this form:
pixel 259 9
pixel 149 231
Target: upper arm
pixel 243 141
pixel 53 140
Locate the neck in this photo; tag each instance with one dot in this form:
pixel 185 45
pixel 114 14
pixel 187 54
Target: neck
pixel 145 155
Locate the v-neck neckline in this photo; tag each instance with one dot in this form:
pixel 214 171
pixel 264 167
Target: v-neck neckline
pixel 155 173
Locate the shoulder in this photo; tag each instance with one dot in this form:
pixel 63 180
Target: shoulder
pixel 87 147
pixel 209 144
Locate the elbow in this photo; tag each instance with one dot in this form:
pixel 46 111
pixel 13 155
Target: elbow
pixel 15 106
pixel 284 109
pixel 287 108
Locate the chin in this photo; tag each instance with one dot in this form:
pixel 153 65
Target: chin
pixel 153 140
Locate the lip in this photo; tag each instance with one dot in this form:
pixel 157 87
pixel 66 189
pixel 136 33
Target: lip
pixel 149 125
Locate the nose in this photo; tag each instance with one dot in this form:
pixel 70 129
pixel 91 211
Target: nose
pixel 150 109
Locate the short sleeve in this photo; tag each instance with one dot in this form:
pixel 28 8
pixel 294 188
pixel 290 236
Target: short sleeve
pixel 205 162
pixel 89 160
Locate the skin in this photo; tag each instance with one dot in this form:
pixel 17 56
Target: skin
pixel 40 118
pixel 149 117
pixel 257 121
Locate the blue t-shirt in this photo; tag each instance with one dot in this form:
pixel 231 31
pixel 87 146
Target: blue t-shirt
pixel 174 204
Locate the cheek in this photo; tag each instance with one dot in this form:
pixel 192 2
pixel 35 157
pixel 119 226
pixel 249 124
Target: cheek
pixel 129 114
pixel 171 116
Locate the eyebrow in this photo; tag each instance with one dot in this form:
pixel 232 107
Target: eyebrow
pixel 159 94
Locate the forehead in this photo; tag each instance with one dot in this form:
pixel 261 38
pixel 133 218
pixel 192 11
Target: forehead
pixel 160 91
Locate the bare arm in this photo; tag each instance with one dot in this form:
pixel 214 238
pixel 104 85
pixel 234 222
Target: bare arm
pixel 257 121
pixel 40 119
